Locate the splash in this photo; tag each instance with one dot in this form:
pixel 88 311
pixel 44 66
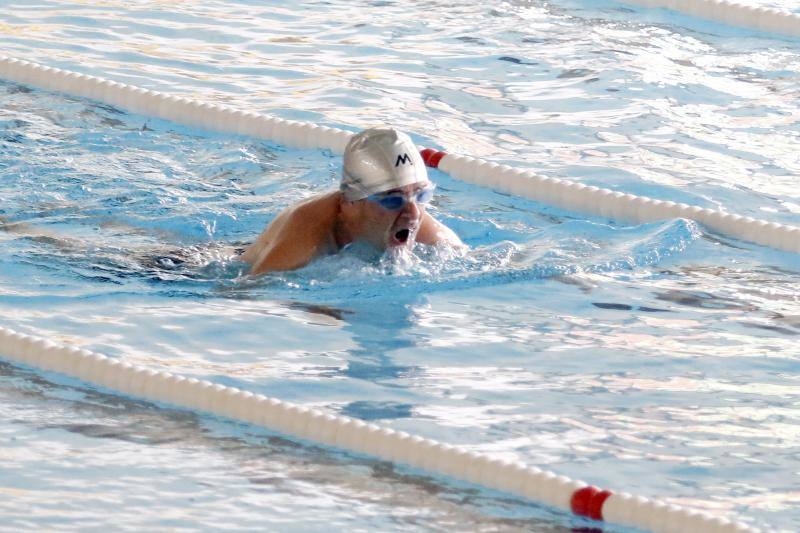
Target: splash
pixel 571 248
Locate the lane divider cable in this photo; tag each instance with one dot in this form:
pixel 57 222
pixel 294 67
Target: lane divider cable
pixel 561 193
pixel 765 19
pixel 353 435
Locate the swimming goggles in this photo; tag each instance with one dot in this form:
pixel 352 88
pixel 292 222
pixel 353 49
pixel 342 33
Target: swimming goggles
pixel 396 200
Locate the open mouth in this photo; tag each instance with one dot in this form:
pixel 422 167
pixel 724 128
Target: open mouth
pixel 402 235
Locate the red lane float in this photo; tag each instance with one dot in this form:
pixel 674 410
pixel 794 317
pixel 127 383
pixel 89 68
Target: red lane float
pixel 431 157
pixel 589 501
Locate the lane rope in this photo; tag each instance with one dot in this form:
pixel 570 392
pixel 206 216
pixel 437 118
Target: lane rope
pixel 353 435
pixel 733 13
pixel 561 193
pixel 577 197
pixel 347 433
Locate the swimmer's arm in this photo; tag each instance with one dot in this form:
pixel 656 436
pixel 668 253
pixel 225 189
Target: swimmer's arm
pixel 284 254
pixel 291 241
pixel 433 232
pixel 254 253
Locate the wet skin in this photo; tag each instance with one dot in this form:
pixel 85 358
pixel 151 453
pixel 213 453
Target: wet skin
pixel 325 224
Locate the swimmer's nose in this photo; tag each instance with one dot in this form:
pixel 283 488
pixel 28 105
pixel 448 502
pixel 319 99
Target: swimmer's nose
pixel 410 211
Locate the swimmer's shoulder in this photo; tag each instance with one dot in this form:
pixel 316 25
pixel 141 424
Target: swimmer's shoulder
pixel 433 232
pixel 322 207
pixel 296 236
pixel 312 220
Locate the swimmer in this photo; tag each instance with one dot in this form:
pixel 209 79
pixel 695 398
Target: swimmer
pixel 381 201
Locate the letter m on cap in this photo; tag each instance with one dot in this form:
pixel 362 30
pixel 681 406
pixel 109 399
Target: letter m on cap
pixel 403 159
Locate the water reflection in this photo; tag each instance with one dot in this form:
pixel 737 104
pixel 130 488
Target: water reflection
pixel 703 300
pixel 380 328
pixel 597 375
pixel 200 458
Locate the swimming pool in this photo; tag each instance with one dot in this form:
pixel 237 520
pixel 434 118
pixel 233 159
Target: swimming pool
pixel 654 358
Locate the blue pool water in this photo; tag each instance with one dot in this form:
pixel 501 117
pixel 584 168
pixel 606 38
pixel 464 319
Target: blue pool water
pixel 659 359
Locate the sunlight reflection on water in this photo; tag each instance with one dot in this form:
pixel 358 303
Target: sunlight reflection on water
pixel 657 358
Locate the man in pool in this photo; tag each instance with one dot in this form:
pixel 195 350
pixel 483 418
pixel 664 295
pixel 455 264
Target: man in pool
pixel 381 201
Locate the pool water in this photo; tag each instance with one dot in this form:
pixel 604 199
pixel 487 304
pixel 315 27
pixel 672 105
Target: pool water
pixel 660 359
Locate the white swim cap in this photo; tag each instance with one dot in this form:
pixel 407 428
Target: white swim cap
pixel 378 160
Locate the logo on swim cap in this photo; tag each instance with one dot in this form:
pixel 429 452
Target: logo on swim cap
pixel 402 159
pixel 378 160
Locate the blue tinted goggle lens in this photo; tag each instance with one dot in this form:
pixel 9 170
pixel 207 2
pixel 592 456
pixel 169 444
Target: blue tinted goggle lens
pixel 393 202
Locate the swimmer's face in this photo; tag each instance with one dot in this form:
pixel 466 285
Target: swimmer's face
pixel 387 228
